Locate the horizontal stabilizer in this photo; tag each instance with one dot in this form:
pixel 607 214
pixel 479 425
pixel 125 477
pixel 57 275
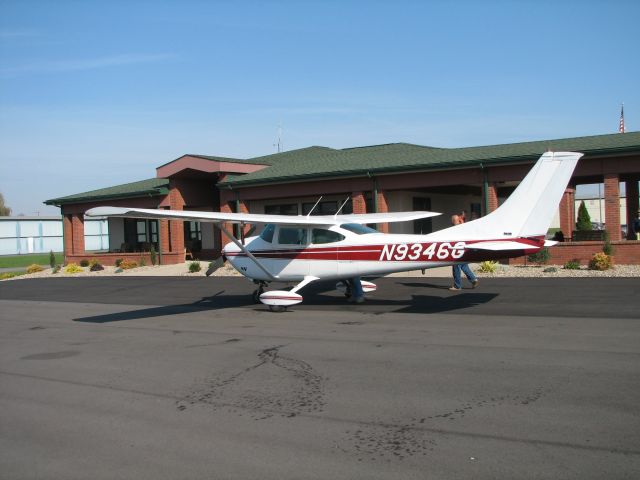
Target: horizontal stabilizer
pixel 498 246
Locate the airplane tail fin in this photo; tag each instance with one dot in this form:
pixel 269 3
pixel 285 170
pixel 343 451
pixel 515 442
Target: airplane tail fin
pixel 529 210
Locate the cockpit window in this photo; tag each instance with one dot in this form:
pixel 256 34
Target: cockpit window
pixel 320 235
pixel 357 228
pixel 267 233
pixel 292 236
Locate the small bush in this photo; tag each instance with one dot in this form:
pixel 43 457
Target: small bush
pixel 600 261
pixel 96 267
pixel 34 268
pixel 52 259
pixel 84 262
pixel 573 264
pixel 142 262
pixel 488 266
pixel 7 275
pixel 550 270
pixel 93 261
pixel 607 248
pixel 127 264
pixel 72 268
pixel 56 269
pixel 118 262
pixel 118 270
pixel 152 253
pixel 540 257
pixel 194 267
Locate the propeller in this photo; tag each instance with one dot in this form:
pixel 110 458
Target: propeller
pixel 215 265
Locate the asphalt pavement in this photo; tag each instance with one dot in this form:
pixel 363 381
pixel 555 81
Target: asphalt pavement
pixel 180 377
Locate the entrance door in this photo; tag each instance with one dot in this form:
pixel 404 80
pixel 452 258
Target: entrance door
pixel 422 226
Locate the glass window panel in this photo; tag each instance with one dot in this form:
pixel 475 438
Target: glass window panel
pixel 320 235
pixel 292 236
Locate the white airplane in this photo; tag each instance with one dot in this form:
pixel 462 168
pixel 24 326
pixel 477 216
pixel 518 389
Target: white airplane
pixel 309 248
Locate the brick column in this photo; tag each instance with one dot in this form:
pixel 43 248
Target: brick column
pixel 164 244
pixel 491 197
pixel 383 207
pixel 225 208
pixel 632 205
pixel 359 203
pixel 568 213
pixel 77 235
pixel 68 235
pixel 176 202
pixel 612 205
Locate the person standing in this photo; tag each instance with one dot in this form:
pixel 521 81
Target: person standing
pixel 460 268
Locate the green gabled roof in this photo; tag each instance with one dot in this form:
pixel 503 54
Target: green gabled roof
pixel 143 188
pixel 318 162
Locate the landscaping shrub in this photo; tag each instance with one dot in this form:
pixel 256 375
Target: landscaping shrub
pixel 142 262
pixel 573 264
pixel 127 264
pixel 84 262
pixel 607 248
pixel 152 253
pixel 600 261
pixel 540 257
pixel 488 266
pixel 56 269
pixel 52 259
pixel 194 267
pixel 6 275
pixel 33 268
pixel 550 270
pixel 72 268
pixel 95 267
pixel 118 262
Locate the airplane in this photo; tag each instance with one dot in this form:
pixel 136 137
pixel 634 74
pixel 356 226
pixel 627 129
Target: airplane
pixel 311 248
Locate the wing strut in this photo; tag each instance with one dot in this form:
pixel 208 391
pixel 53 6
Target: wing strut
pixel 247 252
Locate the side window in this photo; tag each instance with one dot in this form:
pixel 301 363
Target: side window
pixel 292 236
pixel 320 235
pixel 267 233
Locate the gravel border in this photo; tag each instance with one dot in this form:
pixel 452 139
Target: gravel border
pixel 502 271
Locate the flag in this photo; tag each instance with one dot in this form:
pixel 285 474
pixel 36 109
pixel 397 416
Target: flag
pixel 621 126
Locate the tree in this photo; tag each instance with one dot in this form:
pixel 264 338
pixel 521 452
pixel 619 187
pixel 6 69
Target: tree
pixel 4 210
pixel 584 220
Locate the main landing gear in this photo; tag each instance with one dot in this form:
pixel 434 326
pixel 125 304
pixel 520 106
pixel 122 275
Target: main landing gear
pixel 259 291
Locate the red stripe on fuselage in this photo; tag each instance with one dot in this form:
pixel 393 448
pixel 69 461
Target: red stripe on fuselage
pixel 410 252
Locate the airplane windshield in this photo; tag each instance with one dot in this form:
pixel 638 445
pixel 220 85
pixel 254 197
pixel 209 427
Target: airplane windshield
pixel 267 233
pixel 357 228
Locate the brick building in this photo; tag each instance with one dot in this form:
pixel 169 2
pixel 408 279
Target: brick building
pixel 379 178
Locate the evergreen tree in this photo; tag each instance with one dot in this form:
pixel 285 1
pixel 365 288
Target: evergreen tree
pixel 4 210
pixel 584 220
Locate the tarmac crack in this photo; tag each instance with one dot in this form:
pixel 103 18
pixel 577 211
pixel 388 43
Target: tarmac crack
pixel 276 385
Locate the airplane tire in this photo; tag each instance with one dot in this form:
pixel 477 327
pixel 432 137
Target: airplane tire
pixel 256 295
pixel 277 308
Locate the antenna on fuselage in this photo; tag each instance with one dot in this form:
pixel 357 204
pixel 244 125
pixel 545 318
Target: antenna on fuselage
pixel 313 208
pixel 342 206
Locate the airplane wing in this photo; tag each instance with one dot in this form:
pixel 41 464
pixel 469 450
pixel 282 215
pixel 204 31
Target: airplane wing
pixel 256 218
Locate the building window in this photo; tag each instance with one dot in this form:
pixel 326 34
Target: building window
pixel 141 231
pixel 285 209
pixel 192 231
pixel 323 208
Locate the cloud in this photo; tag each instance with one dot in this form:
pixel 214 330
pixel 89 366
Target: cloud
pixel 63 66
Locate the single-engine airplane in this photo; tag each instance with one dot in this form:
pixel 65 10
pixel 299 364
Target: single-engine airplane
pixel 309 248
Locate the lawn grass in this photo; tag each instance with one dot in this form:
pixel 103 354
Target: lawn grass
pixel 16 261
pixel 6 275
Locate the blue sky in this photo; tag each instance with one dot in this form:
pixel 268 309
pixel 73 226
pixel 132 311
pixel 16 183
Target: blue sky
pixel 94 94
